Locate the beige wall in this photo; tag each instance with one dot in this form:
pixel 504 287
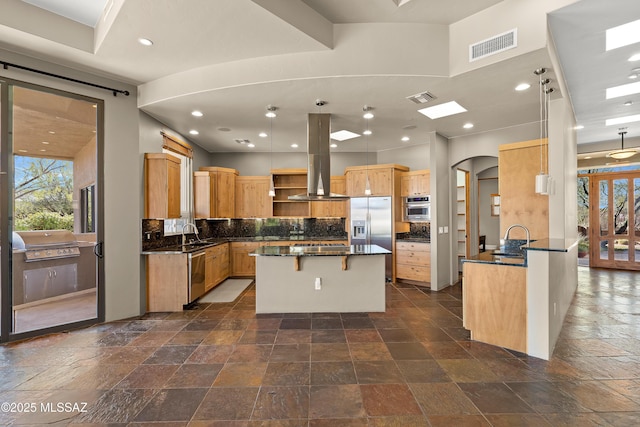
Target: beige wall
pixel 84 174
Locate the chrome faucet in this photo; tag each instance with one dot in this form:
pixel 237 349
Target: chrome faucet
pixel 195 229
pixel 526 230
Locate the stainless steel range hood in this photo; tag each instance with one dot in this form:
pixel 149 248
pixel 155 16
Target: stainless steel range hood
pixel 319 159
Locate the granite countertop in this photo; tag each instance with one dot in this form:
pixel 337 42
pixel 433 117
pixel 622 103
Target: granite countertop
pixel 489 257
pixel 319 250
pixel 414 239
pixel 207 243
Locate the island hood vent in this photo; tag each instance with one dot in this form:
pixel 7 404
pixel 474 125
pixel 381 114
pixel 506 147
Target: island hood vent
pixel 319 160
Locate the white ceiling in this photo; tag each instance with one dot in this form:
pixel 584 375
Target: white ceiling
pixel 194 34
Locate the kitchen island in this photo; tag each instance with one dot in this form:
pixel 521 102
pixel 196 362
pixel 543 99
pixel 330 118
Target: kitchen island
pixel 320 279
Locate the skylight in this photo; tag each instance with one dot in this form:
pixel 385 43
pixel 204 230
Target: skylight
pixel 86 12
pixel 623 35
pixel 623 90
pixel 623 120
pixel 343 135
pixel 443 110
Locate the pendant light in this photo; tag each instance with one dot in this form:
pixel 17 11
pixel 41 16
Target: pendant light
pixel 320 187
pixel 367 116
pixel 271 113
pixel 543 180
pixel 622 153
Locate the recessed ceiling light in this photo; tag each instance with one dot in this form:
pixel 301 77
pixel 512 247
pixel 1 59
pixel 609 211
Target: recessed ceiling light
pixel 52 132
pixel 145 42
pixel 623 90
pixel 271 111
pixel 468 125
pixel 368 115
pixel 196 113
pixel 334 145
pixel 623 35
pixel 442 110
pixel 194 132
pixel 578 127
pixel 587 157
pixel 367 132
pixel 294 145
pixel 251 145
pixel 634 58
pixel 45 142
pixel 622 120
pixel 523 86
pixel 628 103
pixel 343 135
pixel 405 139
pixel 262 135
pixel 224 129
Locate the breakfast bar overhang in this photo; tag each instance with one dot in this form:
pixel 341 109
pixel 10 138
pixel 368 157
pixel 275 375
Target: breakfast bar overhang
pixel 320 279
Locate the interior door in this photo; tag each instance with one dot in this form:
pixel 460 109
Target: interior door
pixel 50 165
pixel 615 221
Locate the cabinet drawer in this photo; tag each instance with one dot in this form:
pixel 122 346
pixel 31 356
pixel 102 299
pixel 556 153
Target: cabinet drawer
pixel 413 246
pixel 413 272
pixel 413 258
pixel 244 245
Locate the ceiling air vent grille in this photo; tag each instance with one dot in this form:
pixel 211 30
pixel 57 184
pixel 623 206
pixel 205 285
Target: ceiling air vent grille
pixel 421 98
pixel 242 141
pixel 493 45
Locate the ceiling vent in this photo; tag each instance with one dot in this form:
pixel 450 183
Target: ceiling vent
pixel 493 45
pixel 421 98
pixel 242 141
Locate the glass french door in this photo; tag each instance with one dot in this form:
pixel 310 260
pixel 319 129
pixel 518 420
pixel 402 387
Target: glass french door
pixel 615 221
pixel 49 171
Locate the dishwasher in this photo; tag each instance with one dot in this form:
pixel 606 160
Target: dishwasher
pixel 196 275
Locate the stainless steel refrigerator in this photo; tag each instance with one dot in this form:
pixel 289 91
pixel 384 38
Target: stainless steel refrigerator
pixel 372 224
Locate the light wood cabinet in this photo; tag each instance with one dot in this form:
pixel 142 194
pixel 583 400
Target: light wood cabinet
pixel 162 186
pixel 289 182
pixel 216 265
pixel 518 165
pixel 214 192
pixel 415 183
pixel 382 179
pixel 413 261
pixel 252 197
pixel 333 208
pixel 167 282
pixel 243 265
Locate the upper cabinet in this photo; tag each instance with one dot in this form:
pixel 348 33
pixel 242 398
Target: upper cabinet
pixel 382 179
pixel 252 197
pixel 518 165
pixel 162 186
pixel 336 208
pixel 415 183
pixel 289 182
pixel 214 194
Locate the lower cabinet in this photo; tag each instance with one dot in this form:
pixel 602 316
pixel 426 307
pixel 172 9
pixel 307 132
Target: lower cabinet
pixel 243 265
pixel 413 261
pixel 216 265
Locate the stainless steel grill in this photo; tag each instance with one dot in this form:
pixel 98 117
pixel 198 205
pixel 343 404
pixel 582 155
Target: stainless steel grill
pixel 46 244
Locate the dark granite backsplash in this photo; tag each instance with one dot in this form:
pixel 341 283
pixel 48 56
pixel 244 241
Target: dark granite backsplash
pixel 285 228
pixel 417 230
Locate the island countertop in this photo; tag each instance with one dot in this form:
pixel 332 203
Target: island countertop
pixel 319 250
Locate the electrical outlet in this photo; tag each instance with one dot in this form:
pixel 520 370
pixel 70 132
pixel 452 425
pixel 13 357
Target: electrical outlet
pixel 158 234
pixel 318 283
pixel 147 235
pixel 446 229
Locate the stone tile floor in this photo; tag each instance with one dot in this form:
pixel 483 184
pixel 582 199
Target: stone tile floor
pixel 414 365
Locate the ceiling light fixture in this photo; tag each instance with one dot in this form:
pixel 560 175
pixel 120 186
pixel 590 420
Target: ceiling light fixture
pixel 367 132
pixel 294 145
pixel 367 112
pixel 271 114
pixel 523 86
pixel 271 111
pixel 196 113
pixel 194 132
pixel 343 135
pixel 628 103
pixel 145 42
pixel 405 139
pixel 442 110
pixel 635 73
pixel 334 145
pixel 251 145
pixel 578 127
pixel 543 180
pixel 622 153
pixel 263 135
pixel 634 58
pixel 45 142
pixel 468 125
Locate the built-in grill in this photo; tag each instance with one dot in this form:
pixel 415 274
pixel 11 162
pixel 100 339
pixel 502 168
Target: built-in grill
pixel 46 244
